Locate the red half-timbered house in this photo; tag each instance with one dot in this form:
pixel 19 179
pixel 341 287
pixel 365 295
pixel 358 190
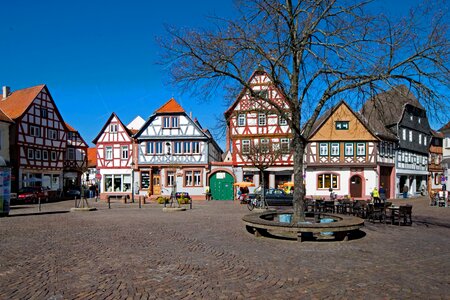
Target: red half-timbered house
pixel 255 121
pixel 38 137
pixel 75 162
pixel 115 150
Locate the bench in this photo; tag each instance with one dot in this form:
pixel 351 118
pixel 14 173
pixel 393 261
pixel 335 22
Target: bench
pixel 123 197
pixel 260 223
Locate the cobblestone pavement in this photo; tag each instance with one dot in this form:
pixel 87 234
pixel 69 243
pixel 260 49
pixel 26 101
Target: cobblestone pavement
pixel 131 253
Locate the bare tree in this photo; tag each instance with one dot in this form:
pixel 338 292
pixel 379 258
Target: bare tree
pixel 316 52
pixel 263 155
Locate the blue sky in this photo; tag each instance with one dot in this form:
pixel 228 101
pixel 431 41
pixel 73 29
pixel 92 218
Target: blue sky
pixel 99 57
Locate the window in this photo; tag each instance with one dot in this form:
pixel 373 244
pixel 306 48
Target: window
pixel 159 147
pixel 71 135
pixel 195 147
pixel 361 149
pixel 245 146
pixel 150 149
pixel 188 178
pixel 166 122
pixel 327 180
pixel 420 139
pixel 285 145
pixel 262 119
pixel 108 153
pixel 170 178
pixel 382 149
pixel 45 155
pixel 70 153
pixel 323 151
pixel 44 113
pixel 411 117
pixel 178 147
pixel 342 125
pixel 30 153
pixel 334 149
pixel 425 140
pixel 404 134
pixel 37 154
pixel 53 155
pixel 410 136
pixel 241 119
pixel 126 182
pixel 348 149
pixel 118 183
pixel 418 120
pixel 124 154
pixel 264 145
pixel 113 128
pixel 187 147
pixel 35 131
pixel 51 134
pixel 282 121
pixel 197 178
pixel 175 122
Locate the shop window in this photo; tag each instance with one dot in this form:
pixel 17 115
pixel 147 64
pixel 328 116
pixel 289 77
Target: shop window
pixel 328 180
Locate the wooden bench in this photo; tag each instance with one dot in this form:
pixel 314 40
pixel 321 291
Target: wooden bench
pixel 260 223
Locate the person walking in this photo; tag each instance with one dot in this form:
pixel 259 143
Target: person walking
pixel 376 195
pixel 405 191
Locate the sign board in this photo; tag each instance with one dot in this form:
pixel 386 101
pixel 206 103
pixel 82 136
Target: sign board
pixel 98 176
pixel 145 180
pixel 5 190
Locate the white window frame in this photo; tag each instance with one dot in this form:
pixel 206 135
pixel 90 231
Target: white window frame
pixel 410 136
pixel 187 147
pixel 175 122
pixel 30 153
pixel 44 154
pixel 404 134
pixel 323 149
pixel 195 147
pixel 177 147
pixel 349 149
pixel 150 148
pixel 53 156
pixel 334 149
pixel 52 134
pixel 285 145
pixel 262 119
pixel 242 120
pixel 165 122
pixel 360 149
pixel 188 178
pixel 70 153
pixel 420 139
pixel 124 152
pixel 170 177
pixel 264 145
pixel 245 146
pixel 282 121
pixel 159 148
pixel 197 174
pixel 108 152
pixel 35 131
pixel 113 128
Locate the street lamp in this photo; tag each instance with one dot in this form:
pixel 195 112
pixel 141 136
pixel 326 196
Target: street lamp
pixel 132 182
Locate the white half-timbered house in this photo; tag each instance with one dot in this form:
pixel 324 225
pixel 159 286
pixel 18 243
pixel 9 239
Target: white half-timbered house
pixel 253 121
pixel 341 155
pixel 38 137
pixel 75 162
pixel 174 153
pixel 115 150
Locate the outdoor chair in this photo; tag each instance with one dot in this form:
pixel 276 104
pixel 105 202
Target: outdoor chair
pixel 318 206
pixel 328 206
pixel 403 215
pixel 376 212
pixel 347 207
pixel 360 208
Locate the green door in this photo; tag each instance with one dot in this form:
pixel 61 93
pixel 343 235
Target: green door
pixel 221 184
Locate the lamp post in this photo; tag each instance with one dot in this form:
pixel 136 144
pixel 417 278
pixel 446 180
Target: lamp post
pixel 132 182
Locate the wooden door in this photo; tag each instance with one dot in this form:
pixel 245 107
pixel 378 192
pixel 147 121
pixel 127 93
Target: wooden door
pixel 221 185
pixel 156 185
pixel 355 186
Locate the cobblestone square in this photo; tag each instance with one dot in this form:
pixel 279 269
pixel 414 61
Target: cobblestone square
pixel 131 253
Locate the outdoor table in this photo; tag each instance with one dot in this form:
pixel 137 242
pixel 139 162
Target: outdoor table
pixel 393 209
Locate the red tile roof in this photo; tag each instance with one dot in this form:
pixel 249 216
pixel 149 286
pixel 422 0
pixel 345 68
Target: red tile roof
pixel 18 101
pixel 92 157
pixel 5 118
pixel 445 127
pixel 170 106
pixel 70 127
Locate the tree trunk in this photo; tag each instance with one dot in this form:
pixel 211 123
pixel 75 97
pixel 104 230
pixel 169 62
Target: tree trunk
pixel 263 188
pixel 299 187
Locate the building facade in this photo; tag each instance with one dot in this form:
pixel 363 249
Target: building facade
pixel 75 162
pixel 341 155
pixel 174 153
pixel 400 114
pixel 259 123
pixel 436 176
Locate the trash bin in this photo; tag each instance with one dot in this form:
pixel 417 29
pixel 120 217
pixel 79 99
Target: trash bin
pixel 327 220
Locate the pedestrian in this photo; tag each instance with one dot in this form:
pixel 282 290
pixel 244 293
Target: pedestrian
pixel 382 192
pixel 376 195
pixel 405 191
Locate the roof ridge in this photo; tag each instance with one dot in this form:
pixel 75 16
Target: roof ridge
pixel 171 106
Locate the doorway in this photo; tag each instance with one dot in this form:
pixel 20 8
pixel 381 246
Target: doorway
pixel 355 186
pixel 156 183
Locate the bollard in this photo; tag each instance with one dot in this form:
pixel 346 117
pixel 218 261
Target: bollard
pixel 76 201
pixel 39 202
pixel 140 201
pixel 109 202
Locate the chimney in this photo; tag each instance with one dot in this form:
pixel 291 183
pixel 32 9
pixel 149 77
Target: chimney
pixel 5 91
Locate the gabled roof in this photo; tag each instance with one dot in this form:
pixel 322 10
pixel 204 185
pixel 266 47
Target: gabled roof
pixel 129 132
pixel 92 157
pixel 257 72
pixel 70 128
pixel 328 113
pixel 170 106
pixel 386 109
pixel 5 118
pixel 445 127
pixel 18 101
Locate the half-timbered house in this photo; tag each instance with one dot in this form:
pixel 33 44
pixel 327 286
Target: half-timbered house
pixel 75 162
pixel 341 155
pixel 38 137
pixel 255 122
pixel 436 176
pixel 114 145
pixel 401 114
pixel 445 130
pixel 174 152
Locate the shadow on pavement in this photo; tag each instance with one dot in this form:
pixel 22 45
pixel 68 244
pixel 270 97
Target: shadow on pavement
pixel 39 213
